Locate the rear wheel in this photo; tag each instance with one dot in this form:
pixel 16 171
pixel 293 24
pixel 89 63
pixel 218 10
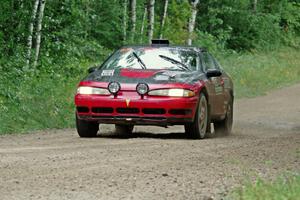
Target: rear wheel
pixel 86 128
pixel 198 129
pixel 224 127
pixel 123 129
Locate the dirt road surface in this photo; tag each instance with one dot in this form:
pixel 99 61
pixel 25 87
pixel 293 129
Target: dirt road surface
pixel 155 163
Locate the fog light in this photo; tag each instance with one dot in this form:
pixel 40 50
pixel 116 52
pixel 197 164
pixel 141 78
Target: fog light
pixel 114 87
pixel 142 88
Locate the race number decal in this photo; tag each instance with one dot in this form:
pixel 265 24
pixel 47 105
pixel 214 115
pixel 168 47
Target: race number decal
pixel 107 72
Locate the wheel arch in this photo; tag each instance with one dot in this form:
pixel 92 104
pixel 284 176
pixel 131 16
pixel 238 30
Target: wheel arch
pixel 204 91
pixel 231 94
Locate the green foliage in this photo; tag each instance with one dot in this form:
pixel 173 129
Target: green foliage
pixel 256 73
pixel 238 27
pixel 176 22
pixel 208 41
pixel 259 32
pixel 37 101
pixel 281 189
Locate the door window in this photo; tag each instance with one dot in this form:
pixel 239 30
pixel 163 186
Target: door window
pixel 208 62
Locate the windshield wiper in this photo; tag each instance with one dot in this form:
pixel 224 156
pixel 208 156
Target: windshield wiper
pixel 183 66
pixel 139 60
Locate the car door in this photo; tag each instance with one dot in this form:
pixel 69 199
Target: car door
pixel 227 86
pixel 215 85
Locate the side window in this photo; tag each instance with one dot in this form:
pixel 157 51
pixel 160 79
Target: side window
pixel 208 61
pixel 218 66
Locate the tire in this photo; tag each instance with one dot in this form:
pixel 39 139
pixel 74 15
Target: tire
pixel 86 129
pixel 123 129
pixel 224 127
pixel 198 129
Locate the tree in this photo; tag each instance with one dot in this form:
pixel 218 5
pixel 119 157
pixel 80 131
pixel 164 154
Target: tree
pixel 124 20
pixel 29 40
pixel 39 31
pixel 133 19
pixel 151 4
pixel 163 19
pixel 192 20
pixel 143 23
pixel 254 5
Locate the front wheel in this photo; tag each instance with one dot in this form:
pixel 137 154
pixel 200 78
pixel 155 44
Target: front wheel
pixel 86 129
pixel 224 127
pixel 198 128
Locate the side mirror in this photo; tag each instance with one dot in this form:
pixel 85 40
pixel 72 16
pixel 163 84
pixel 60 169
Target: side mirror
pixel 92 69
pixel 213 73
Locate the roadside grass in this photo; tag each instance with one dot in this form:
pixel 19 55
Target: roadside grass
pixel 284 188
pixel 257 73
pixel 39 101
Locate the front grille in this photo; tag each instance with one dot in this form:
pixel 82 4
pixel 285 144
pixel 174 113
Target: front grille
pixel 180 111
pixel 102 110
pixel 82 109
pixel 154 111
pixel 128 110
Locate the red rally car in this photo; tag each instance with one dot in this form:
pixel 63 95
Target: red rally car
pixel 157 84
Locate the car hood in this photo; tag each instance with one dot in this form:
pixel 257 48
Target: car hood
pixel 145 76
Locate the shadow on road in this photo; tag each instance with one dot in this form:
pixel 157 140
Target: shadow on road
pixel 146 135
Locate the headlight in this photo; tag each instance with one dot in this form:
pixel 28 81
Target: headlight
pixel 172 93
pixel 114 87
pixel 142 88
pixel 92 90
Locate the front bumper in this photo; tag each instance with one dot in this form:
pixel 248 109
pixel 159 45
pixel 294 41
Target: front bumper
pixel 130 108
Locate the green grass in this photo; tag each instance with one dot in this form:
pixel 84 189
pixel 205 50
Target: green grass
pixel 285 188
pixel 257 73
pixel 38 101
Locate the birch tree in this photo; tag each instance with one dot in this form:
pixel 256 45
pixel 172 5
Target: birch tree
pixel 124 20
pixel 254 5
pixel 133 19
pixel 30 36
pixel 39 31
pixel 143 23
pixel 163 19
pixel 151 4
pixel 192 21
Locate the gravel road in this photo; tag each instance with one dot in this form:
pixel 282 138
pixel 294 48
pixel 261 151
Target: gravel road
pixel 155 163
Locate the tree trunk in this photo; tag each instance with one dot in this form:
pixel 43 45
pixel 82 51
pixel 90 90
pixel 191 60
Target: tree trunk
pixel 21 4
pixel 254 5
pixel 143 24
pixel 163 19
pixel 39 32
pixel 151 4
pixel 125 21
pixel 192 21
pixel 29 40
pixel 133 19
pixel 86 19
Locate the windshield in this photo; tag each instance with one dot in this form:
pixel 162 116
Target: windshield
pixel 153 58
